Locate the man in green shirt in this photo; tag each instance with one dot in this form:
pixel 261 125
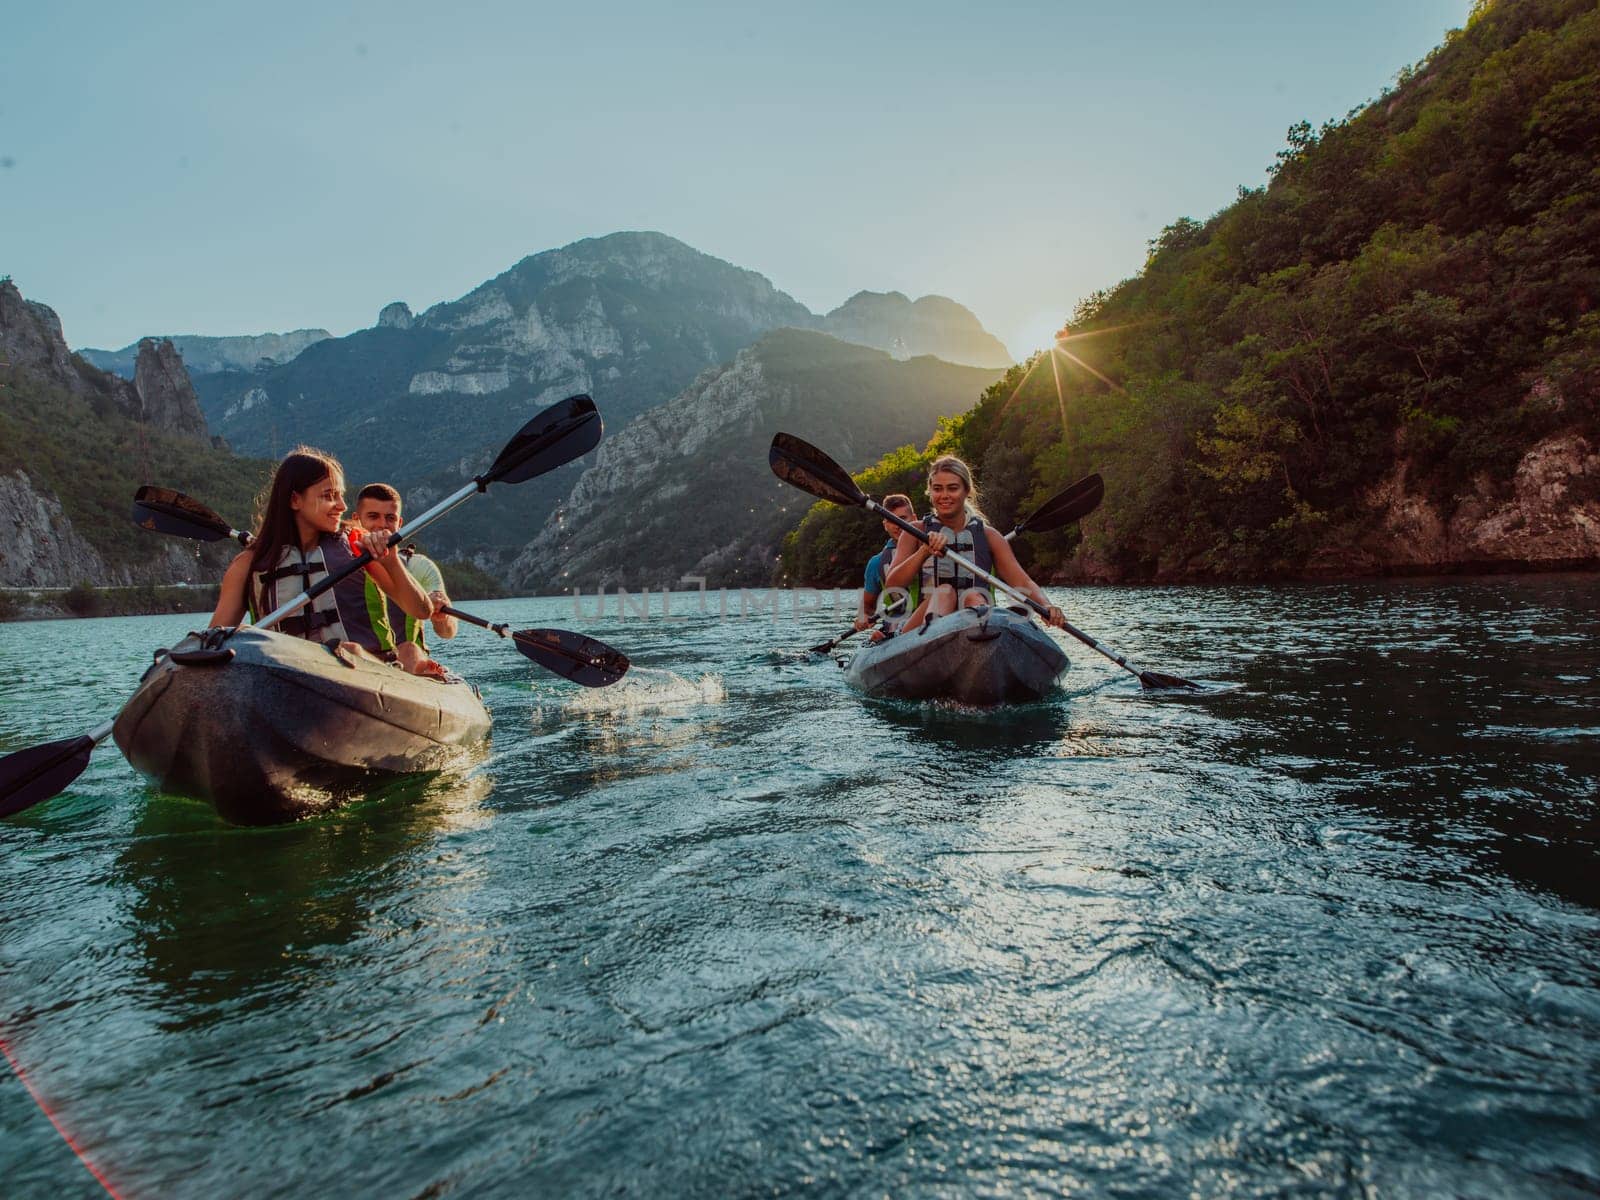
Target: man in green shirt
pixel 378 510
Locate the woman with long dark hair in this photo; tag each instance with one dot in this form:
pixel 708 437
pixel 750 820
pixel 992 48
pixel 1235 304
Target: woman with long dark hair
pixel 936 584
pixel 300 539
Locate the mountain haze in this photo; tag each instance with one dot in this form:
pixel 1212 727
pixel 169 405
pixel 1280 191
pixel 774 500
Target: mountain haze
pixel 208 355
pixel 932 325
pixel 685 489
pixel 631 318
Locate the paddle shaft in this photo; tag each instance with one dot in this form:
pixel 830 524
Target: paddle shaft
pixel 433 514
pixel 922 536
pixel 828 646
pixel 500 627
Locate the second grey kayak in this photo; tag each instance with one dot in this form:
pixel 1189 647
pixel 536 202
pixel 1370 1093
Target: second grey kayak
pixel 978 656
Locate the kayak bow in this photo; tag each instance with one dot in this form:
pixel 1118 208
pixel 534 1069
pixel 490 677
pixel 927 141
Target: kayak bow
pixel 270 728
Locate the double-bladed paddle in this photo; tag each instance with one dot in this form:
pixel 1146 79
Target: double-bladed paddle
pixel 584 660
pixel 163 510
pixel 573 656
pixel 561 433
pixel 800 463
pixel 1066 506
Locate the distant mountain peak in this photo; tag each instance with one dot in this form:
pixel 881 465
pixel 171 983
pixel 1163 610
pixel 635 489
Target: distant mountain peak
pixel 935 325
pixel 205 355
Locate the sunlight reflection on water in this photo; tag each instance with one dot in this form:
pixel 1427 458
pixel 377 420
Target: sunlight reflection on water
pixel 727 927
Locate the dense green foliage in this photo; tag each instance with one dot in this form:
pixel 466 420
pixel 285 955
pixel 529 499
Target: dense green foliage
pixel 467 581
pixel 1415 285
pixel 94 458
pixel 86 600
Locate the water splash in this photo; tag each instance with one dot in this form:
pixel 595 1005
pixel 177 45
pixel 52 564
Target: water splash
pixel 647 690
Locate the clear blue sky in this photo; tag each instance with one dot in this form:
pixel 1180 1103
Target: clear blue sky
pixel 230 168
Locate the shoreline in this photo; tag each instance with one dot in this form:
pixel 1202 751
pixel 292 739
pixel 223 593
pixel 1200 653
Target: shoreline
pixel 55 604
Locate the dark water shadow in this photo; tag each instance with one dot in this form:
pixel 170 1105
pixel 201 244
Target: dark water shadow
pixel 222 914
pixel 1488 754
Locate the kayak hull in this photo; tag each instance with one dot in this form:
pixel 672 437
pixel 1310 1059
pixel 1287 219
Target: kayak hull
pixel 283 729
pixel 978 656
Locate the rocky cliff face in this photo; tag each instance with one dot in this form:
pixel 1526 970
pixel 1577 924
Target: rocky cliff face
pixel 1549 522
pixel 160 395
pixel 586 316
pixel 166 397
pixel 40 548
pixel 75 441
pixel 395 316
pixel 932 325
pixel 685 488
pixel 31 340
pixel 209 355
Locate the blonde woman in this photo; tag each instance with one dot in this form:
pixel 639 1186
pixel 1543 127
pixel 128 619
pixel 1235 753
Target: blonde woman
pixel 937 584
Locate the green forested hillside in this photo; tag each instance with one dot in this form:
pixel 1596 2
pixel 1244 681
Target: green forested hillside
pixel 93 458
pixel 1413 289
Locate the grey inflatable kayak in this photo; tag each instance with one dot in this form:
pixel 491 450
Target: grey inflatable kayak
pixel 978 656
pixel 280 729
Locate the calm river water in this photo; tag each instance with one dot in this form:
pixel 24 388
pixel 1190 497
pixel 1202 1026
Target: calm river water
pixel 728 929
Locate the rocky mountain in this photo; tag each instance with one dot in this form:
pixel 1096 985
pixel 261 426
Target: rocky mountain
pixel 685 489
pixel 75 443
pixel 208 355
pixel 932 325
pixel 632 318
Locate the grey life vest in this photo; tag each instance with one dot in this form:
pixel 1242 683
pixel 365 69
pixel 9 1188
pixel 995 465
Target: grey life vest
pixel 340 614
pixel 972 543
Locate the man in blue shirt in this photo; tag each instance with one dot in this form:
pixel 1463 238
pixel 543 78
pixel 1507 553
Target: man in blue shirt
pixel 878 565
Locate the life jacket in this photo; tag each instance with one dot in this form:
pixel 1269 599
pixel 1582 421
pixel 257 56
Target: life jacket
pixel 972 543
pixel 891 601
pixel 430 579
pixel 340 614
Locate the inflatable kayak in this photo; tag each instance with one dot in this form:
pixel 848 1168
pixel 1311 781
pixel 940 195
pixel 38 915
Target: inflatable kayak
pixel 270 728
pixel 978 656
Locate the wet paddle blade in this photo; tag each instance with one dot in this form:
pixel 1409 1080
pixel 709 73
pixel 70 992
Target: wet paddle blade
pixel 825 647
pixel 166 511
pixel 561 433
pixel 1157 680
pixel 800 463
pixel 1073 504
pixel 584 660
pixel 39 772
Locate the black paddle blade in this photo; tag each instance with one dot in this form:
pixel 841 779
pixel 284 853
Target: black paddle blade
pixel 1075 503
pixel 825 647
pixel 561 433
pixel 166 511
pixel 1156 680
pixel 800 463
pixel 584 660
pixel 39 772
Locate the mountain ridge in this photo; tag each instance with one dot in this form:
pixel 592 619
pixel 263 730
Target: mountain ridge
pixel 624 522
pixel 631 318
